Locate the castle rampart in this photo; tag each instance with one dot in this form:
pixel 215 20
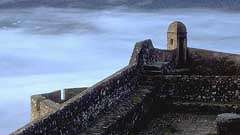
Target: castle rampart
pixel 206 80
pixel 80 110
pixel 44 104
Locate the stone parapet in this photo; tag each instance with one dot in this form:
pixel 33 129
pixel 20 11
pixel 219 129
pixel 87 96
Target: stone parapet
pixel 228 124
pixel 80 111
pixel 44 104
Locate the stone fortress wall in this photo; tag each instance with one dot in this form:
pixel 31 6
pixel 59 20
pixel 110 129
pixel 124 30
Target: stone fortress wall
pixel 78 112
pixel 214 78
pixel 204 77
pixel 43 104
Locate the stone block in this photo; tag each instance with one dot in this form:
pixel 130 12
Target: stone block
pixel 228 124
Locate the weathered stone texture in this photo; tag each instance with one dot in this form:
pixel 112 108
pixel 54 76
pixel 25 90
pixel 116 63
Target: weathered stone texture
pixel 47 106
pixel 80 111
pixel 54 96
pixel 205 62
pixel 177 40
pixel 44 104
pixel 159 56
pixel 200 88
pixel 176 30
pixel 186 79
pixel 141 53
pixel 228 124
pixel 35 107
pixel 172 123
pixel 69 93
pixel 144 53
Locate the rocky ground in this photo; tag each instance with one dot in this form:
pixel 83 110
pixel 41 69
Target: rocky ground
pixel 181 124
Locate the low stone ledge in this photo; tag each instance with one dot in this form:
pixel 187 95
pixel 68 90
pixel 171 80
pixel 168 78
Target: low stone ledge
pixel 228 124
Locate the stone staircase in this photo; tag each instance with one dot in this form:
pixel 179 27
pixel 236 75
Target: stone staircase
pixel 116 112
pixel 151 79
pixel 156 70
pixel 151 74
pixel 119 110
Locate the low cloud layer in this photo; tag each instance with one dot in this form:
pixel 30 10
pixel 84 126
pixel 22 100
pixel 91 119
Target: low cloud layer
pixel 44 49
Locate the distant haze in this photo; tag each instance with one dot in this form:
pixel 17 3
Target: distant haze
pixel 140 4
pixel 44 49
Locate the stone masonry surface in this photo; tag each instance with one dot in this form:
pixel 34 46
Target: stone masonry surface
pixel 158 86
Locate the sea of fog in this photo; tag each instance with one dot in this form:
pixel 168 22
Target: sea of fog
pixel 45 49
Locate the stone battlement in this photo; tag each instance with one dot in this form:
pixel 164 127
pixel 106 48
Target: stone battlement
pixel 180 80
pixel 44 104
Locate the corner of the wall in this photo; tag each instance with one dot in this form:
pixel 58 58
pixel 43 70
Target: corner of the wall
pixel 138 48
pixel 35 106
pixel 38 100
pixel 54 96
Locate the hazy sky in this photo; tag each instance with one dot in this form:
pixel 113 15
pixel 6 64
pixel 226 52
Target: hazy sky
pixel 45 49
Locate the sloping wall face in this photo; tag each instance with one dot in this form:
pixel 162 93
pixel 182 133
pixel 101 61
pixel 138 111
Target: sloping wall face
pixel 204 62
pixel 218 89
pixel 35 106
pixel 158 56
pixel 145 54
pixel 44 104
pixel 141 53
pixel 80 111
pixel 46 107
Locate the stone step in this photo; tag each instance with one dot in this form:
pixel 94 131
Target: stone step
pixel 149 87
pixel 147 83
pixel 152 77
pixel 157 69
pixel 116 112
pixel 152 72
pixel 151 67
pixel 159 72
